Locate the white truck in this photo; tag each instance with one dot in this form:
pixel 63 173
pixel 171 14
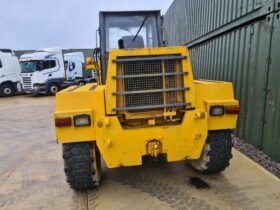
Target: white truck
pixel 9 73
pixel 47 72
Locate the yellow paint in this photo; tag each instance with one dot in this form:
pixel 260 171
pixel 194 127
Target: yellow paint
pixel 216 93
pixel 152 122
pixel 111 83
pixel 125 146
pixel 89 63
pixel 169 114
pixel 129 145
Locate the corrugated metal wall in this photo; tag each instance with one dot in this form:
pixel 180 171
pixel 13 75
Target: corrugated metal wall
pixel 189 20
pixel 240 58
pixel 271 135
pixel 243 49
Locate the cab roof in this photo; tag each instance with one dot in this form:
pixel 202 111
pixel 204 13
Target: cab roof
pixel 41 54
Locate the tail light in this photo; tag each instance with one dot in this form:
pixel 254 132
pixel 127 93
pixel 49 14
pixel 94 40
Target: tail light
pixel 63 122
pixel 232 109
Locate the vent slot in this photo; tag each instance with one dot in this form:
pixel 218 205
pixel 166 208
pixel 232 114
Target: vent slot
pixel 27 84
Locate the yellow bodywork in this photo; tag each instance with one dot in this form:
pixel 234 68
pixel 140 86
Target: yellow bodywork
pixel 122 146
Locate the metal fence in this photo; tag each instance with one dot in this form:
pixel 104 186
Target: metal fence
pixel 247 55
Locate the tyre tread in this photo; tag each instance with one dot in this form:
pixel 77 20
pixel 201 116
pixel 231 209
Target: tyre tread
pixel 220 153
pixel 2 87
pixel 78 165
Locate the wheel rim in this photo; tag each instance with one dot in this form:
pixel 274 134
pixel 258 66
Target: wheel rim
pixel 7 91
pixel 201 163
pixel 54 89
pixel 81 84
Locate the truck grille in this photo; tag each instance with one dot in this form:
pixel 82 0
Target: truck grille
pixel 150 83
pixel 27 84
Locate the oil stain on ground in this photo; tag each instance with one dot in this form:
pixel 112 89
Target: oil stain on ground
pixel 198 183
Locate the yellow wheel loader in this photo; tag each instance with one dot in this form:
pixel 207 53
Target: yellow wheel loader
pixel 145 103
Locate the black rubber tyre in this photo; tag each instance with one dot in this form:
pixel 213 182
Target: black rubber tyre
pixel 7 90
pixel 53 88
pixel 81 84
pixel 78 165
pixel 216 154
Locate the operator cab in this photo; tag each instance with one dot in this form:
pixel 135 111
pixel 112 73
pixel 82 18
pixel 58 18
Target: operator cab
pixel 131 31
pixel 128 30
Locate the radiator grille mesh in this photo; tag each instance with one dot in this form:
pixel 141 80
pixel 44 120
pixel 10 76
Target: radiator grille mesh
pixel 149 80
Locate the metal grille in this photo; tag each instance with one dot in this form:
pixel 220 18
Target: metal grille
pixel 144 99
pixel 149 84
pixel 27 84
pixel 141 67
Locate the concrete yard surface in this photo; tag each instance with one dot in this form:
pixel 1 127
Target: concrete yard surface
pixel 32 176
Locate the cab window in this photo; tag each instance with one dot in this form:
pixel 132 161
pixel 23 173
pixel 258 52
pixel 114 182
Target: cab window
pixel 36 65
pixel 131 31
pixel 49 64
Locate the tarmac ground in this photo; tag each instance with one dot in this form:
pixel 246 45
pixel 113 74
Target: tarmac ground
pixel 32 175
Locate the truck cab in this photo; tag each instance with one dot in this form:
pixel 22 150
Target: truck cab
pixel 46 71
pixel 42 71
pixel 74 65
pixel 9 73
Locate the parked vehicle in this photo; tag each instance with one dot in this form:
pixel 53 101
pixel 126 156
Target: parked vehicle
pixel 47 72
pixel 9 73
pixel 146 103
pixel 74 64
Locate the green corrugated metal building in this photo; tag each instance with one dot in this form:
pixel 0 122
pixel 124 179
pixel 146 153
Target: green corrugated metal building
pixel 237 41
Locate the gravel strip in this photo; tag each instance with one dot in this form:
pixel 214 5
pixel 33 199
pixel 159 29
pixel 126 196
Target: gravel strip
pixel 258 156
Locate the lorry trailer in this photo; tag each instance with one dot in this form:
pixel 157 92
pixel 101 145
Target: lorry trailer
pixel 9 73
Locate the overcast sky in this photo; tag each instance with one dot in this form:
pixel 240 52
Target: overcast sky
pixel 35 24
